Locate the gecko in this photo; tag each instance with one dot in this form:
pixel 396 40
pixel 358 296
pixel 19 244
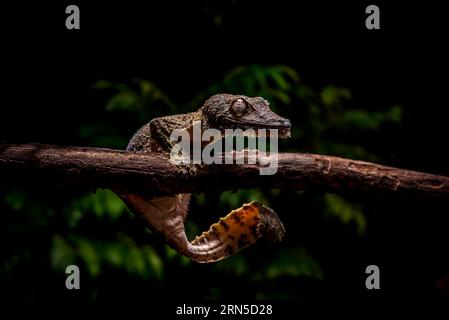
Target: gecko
pixel 166 215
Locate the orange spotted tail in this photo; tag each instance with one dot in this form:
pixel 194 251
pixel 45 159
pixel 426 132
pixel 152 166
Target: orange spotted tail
pixel 238 230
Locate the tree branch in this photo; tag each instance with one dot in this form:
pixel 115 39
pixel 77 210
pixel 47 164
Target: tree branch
pixel 120 170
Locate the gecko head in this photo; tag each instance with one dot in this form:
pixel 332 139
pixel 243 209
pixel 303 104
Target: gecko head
pixel 227 111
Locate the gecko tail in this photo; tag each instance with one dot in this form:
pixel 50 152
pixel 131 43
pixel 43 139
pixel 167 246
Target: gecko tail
pixel 239 229
pixel 236 231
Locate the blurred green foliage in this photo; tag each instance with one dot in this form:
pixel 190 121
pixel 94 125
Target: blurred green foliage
pixel 324 121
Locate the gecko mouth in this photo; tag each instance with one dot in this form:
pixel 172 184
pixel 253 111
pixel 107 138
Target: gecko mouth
pixel 282 126
pixel 284 133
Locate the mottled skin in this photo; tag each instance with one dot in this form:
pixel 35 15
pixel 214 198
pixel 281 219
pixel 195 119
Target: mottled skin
pixel 165 215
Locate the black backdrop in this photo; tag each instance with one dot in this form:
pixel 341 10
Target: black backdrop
pixel 47 72
pixel 177 42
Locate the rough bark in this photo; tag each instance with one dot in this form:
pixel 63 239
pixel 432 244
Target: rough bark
pixel 153 173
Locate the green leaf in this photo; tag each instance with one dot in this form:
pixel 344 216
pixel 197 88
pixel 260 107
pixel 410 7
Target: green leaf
pixel 154 262
pixel 279 79
pixel 259 75
pixel 332 96
pixel 122 101
pixel 113 254
pixel 89 256
pixel 237 199
pixel 294 263
pixel 135 261
pixel 345 211
pixel 280 95
pixel 104 204
pixel 236 265
pixel 61 253
pixel 15 199
pixel 111 204
pixel 289 71
pixel 394 114
pixel 102 84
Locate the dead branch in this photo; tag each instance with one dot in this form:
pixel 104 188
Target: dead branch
pixel 120 170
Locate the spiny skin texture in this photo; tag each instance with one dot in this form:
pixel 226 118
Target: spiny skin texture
pixel 166 215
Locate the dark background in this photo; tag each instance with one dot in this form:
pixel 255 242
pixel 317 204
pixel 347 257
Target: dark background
pixel 48 69
pixel 48 74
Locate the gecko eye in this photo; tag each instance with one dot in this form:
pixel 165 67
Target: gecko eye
pixel 239 107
